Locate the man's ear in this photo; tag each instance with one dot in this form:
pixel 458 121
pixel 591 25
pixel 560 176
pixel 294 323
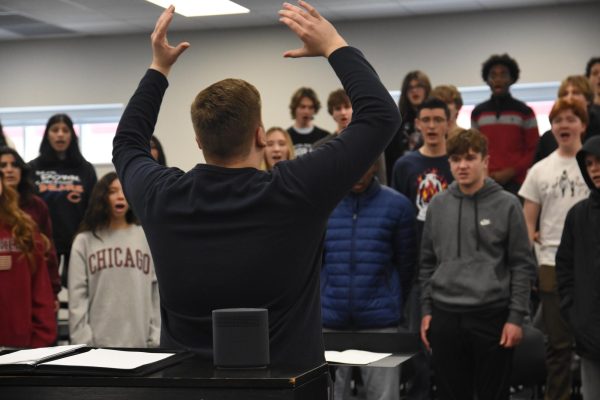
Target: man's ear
pixel 486 160
pixel 198 142
pixel 260 137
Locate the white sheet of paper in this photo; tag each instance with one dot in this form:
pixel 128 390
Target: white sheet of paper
pixel 31 356
pixel 357 357
pixel 104 358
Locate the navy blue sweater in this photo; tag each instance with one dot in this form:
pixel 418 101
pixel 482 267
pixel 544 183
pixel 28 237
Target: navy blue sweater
pixel 240 237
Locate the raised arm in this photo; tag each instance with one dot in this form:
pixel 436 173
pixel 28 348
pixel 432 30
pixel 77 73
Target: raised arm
pixel 320 38
pixel 327 174
pixel 163 54
pixel 135 166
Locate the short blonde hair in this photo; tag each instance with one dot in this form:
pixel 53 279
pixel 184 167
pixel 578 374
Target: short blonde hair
pixel 448 94
pixel 581 83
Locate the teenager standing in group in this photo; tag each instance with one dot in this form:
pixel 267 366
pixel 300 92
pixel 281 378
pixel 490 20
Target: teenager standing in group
pixel 26 300
pixel 17 175
pixel 113 294
pixel 64 180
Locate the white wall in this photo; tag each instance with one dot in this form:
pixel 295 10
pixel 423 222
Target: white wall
pixel 548 43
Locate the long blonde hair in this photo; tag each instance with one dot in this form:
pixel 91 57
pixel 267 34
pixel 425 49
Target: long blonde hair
pixel 23 228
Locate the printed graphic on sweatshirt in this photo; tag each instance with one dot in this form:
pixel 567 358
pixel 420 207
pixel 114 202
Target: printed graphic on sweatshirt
pixel 117 257
pixel 429 183
pixel 51 181
pixel 565 186
pixel 8 245
pixel 302 148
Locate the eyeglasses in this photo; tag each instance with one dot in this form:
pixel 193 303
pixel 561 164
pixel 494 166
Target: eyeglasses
pixel 435 120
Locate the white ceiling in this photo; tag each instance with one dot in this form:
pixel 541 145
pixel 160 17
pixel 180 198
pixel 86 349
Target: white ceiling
pixel 28 19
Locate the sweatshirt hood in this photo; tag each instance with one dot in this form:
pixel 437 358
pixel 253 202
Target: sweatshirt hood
pixel 489 187
pixel 591 146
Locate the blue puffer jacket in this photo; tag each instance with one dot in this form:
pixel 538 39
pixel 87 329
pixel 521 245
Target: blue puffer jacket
pixel 368 259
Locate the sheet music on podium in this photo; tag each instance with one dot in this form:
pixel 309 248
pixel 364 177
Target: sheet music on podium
pixel 355 357
pixel 84 360
pixel 105 358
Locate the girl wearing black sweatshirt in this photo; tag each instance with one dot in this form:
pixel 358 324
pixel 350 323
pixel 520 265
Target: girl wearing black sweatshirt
pixel 64 180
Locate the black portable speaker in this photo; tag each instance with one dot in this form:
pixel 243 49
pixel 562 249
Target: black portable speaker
pixel 240 338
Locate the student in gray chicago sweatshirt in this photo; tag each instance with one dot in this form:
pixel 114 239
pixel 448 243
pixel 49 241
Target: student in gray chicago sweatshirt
pixel 476 272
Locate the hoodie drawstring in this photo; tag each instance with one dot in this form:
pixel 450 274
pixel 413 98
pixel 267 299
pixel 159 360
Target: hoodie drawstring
pixel 476 222
pixel 478 236
pixel 459 220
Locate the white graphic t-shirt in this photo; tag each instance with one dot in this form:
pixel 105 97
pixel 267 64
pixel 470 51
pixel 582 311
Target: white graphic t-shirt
pixel 556 184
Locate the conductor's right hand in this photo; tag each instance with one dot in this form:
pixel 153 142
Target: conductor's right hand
pixel 319 36
pixel 163 54
pixel 425 322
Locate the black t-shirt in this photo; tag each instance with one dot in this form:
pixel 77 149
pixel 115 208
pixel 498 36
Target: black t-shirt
pixel 240 237
pixel 303 142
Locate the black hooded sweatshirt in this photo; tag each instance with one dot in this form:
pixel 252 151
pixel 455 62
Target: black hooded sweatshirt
pixel 578 264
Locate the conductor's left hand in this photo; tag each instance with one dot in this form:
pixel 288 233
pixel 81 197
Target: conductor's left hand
pixel 163 54
pixel 320 38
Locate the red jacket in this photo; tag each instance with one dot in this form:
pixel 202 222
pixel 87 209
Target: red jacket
pixel 27 316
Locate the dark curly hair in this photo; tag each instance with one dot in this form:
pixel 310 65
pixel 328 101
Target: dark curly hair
pixel 504 59
pixel 97 214
pixel 588 68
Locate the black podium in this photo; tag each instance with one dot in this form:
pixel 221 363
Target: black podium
pixel 192 378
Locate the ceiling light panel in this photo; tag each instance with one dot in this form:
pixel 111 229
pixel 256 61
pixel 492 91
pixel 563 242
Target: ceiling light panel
pixel 201 8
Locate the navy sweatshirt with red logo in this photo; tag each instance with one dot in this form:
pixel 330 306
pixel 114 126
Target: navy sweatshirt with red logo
pixel 66 190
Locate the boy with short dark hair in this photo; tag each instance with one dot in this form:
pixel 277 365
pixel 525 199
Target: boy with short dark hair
pixel 423 173
pixel 509 124
pixel 476 270
pixel 420 175
pixel 340 109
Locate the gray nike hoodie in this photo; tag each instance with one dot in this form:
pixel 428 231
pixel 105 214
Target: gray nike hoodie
pixel 475 253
